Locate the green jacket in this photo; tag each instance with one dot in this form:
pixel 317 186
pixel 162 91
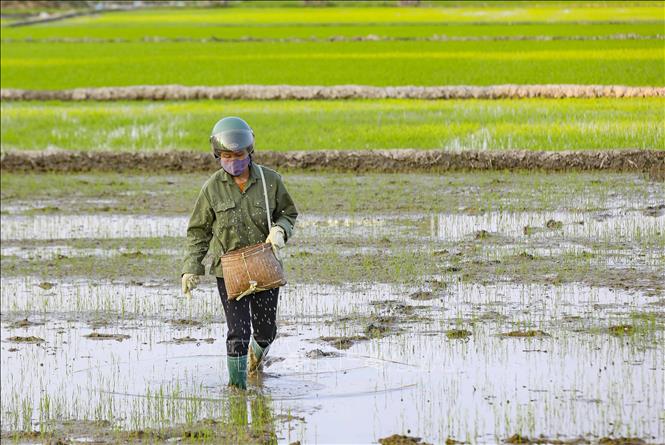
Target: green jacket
pixel 226 219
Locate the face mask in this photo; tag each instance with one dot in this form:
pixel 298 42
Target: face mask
pixel 235 167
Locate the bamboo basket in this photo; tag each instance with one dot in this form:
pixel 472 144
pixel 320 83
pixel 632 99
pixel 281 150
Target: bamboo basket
pixel 251 265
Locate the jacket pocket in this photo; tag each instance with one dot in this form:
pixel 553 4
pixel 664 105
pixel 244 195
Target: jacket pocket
pixel 259 211
pixel 225 213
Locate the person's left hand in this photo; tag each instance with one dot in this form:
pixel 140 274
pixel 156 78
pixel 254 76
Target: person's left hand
pixel 276 238
pixel 189 283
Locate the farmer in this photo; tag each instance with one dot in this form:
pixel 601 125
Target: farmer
pixel 229 214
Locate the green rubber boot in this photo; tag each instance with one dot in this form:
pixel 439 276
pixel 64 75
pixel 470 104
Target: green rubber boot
pixel 255 357
pixel 237 371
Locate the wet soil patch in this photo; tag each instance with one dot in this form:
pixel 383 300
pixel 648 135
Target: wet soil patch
pixel 517 439
pixel 389 319
pixel 188 339
pixel 25 323
pixel 491 316
pixel 422 296
pixel 46 285
pixel 382 304
pixel 29 340
pixel 655 211
pixel 98 323
pixel 458 334
pixel 134 254
pixel 481 234
pixel 185 322
pixel 622 329
pixel 101 336
pixel 391 311
pixel 400 439
pixel 374 326
pixel 526 333
pixel 224 430
pixel 528 267
pixel 403 160
pixel 271 360
pixel 318 353
pixel 378 330
pixel 554 224
pixel 621 441
pixel 341 342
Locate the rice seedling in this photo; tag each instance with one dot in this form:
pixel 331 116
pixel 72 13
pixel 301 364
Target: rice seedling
pixel 531 124
pixel 298 32
pixel 365 63
pixel 277 21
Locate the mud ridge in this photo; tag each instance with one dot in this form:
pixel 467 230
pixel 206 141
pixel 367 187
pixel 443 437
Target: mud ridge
pixel 333 39
pixel 651 161
pixel 305 92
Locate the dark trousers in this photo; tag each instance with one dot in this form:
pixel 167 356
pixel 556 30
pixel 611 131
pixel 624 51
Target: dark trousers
pixel 256 312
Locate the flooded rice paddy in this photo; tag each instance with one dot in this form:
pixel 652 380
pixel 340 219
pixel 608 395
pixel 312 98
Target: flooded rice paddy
pixel 541 317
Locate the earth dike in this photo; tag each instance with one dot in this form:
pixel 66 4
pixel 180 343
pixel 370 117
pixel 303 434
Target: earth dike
pixel 400 160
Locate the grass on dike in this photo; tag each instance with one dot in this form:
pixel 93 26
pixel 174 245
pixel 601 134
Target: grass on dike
pixel 532 124
pixel 58 66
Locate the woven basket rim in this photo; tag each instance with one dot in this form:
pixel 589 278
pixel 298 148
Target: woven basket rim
pixel 247 250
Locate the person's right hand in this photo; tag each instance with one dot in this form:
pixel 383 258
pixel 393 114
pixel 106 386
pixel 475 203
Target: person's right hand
pixel 276 239
pixel 189 283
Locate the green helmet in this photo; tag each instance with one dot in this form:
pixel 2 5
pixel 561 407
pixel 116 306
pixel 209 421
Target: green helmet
pixel 231 134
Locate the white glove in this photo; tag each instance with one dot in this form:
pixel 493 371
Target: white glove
pixel 189 283
pixel 276 238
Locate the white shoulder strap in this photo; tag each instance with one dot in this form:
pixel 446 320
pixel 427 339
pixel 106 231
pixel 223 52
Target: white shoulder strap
pixel 265 195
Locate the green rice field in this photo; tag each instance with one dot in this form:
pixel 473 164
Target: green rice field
pixel 452 306
pixel 586 43
pixel 137 31
pixel 42 64
pixel 57 66
pixel 532 124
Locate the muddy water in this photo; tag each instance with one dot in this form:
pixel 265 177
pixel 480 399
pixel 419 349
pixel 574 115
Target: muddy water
pixel 414 378
pixel 358 361
pixel 58 251
pixel 46 227
pixel 602 226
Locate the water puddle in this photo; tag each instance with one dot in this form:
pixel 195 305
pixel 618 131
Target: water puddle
pixel 149 365
pixel 45 252
pixel 56 205
pixel 629 256
pixel 602 226
pixel 53 227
